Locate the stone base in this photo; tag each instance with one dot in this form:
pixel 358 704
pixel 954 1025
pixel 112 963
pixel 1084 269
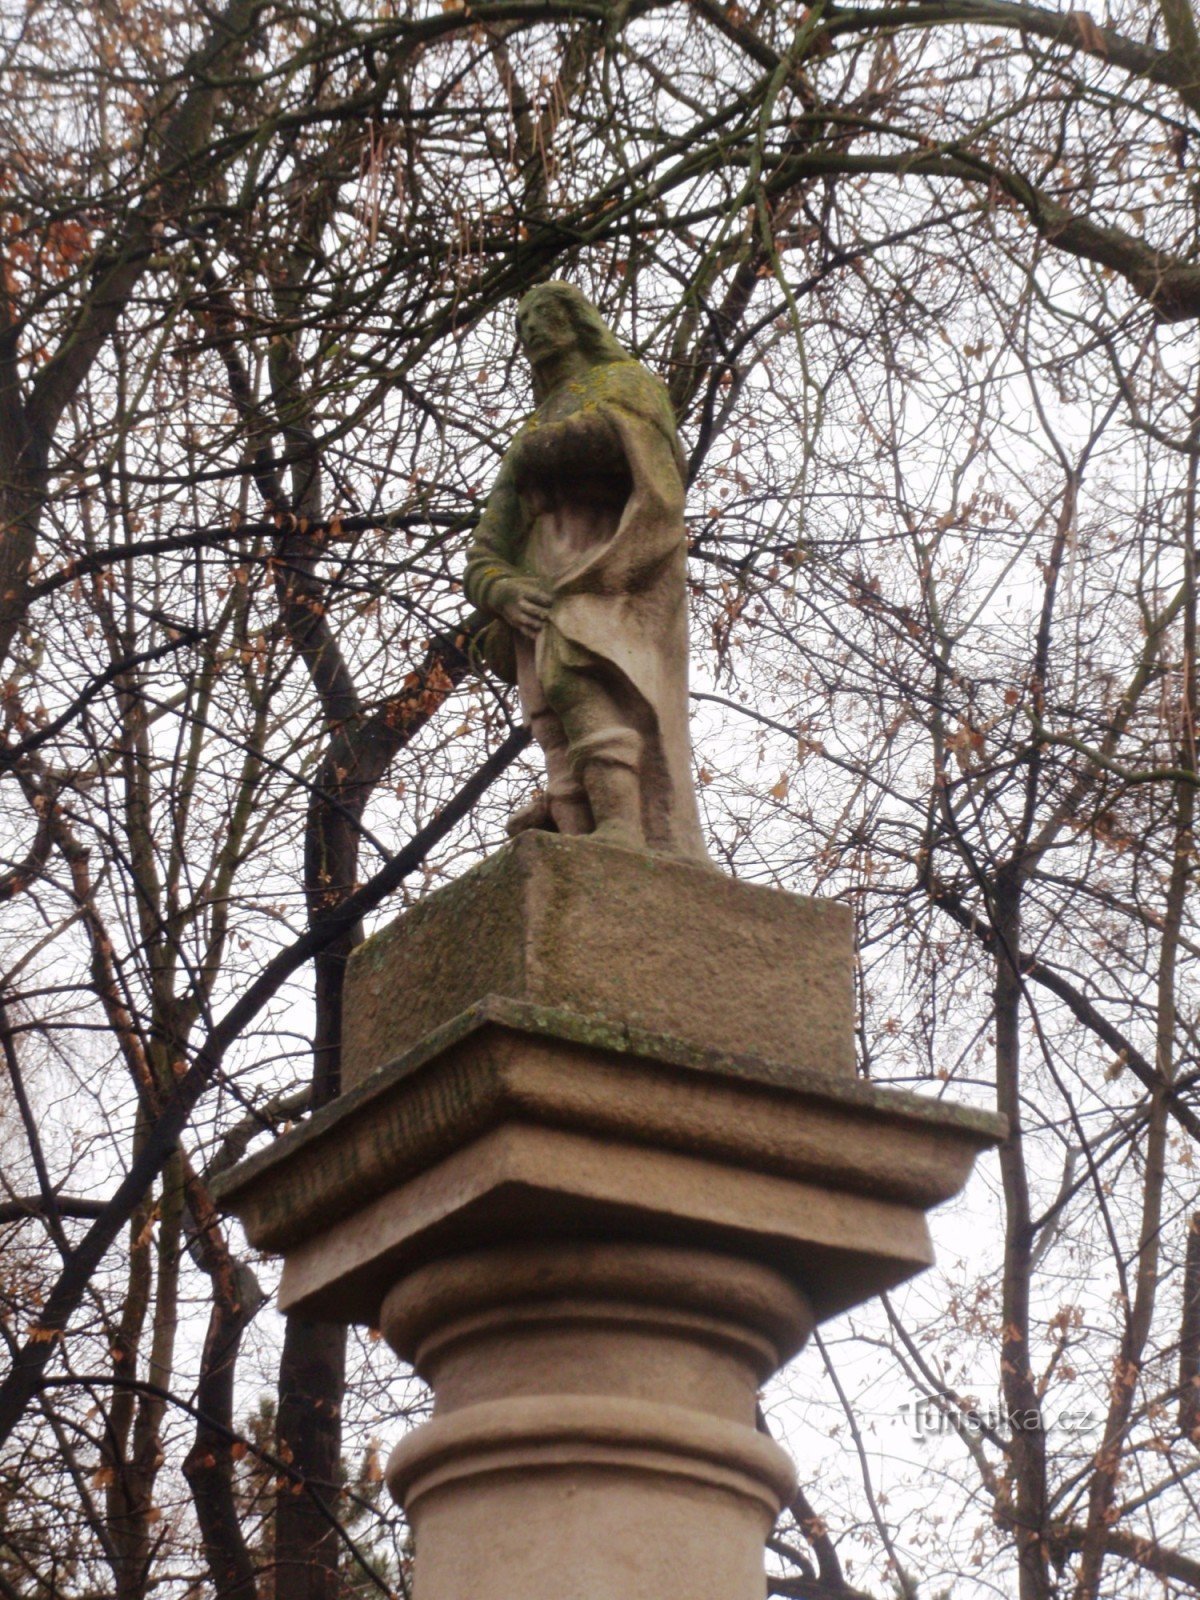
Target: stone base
pixel 648 942
pixel 514 1121
pixel 594 1233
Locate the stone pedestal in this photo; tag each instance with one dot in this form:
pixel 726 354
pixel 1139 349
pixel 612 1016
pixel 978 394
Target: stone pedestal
pixel 602 1165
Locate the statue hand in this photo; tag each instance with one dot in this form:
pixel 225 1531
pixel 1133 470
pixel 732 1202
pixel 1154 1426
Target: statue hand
pixel 524 605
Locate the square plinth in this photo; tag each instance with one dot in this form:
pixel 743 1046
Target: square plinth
pixel 623 938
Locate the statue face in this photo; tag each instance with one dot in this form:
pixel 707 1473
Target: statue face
pixel 544 328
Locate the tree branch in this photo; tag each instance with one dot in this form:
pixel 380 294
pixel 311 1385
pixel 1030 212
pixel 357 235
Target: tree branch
pixel 22 1382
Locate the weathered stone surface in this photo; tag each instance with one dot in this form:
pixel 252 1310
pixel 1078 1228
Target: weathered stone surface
pixel 515 1118
pixel 638 941
pixel 521 1181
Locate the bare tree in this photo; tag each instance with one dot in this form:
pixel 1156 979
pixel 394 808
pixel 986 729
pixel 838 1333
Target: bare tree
pixel 922 280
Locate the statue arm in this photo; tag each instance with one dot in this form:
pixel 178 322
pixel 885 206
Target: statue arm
pixel 494 580
pixel 495 543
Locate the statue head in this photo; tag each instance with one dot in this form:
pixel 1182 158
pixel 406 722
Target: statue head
pixel 554 319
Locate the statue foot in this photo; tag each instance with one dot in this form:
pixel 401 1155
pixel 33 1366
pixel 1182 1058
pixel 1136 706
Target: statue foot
pixel 616 830
pixel 534 815
pixel 571 814
pixel 614 791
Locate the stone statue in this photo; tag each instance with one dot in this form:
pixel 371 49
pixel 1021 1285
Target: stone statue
pixel 580 557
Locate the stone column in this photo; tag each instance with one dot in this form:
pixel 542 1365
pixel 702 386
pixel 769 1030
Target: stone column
pixel 601 1163
pixel 594 1433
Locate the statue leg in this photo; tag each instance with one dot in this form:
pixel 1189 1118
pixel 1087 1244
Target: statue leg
pixel 608 762
pixel 566 796
pixel 584 716
pixel 565 803
pixel 598 713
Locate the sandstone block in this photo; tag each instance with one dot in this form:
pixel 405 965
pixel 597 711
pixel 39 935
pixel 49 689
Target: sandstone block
pixel 646 942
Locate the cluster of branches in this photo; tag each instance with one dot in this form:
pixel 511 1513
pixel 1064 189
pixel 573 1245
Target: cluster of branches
pixel 922 281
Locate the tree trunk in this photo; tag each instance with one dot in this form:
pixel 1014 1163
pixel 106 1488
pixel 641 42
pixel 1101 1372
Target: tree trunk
pixel 1026 1513
pixel 312 1375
